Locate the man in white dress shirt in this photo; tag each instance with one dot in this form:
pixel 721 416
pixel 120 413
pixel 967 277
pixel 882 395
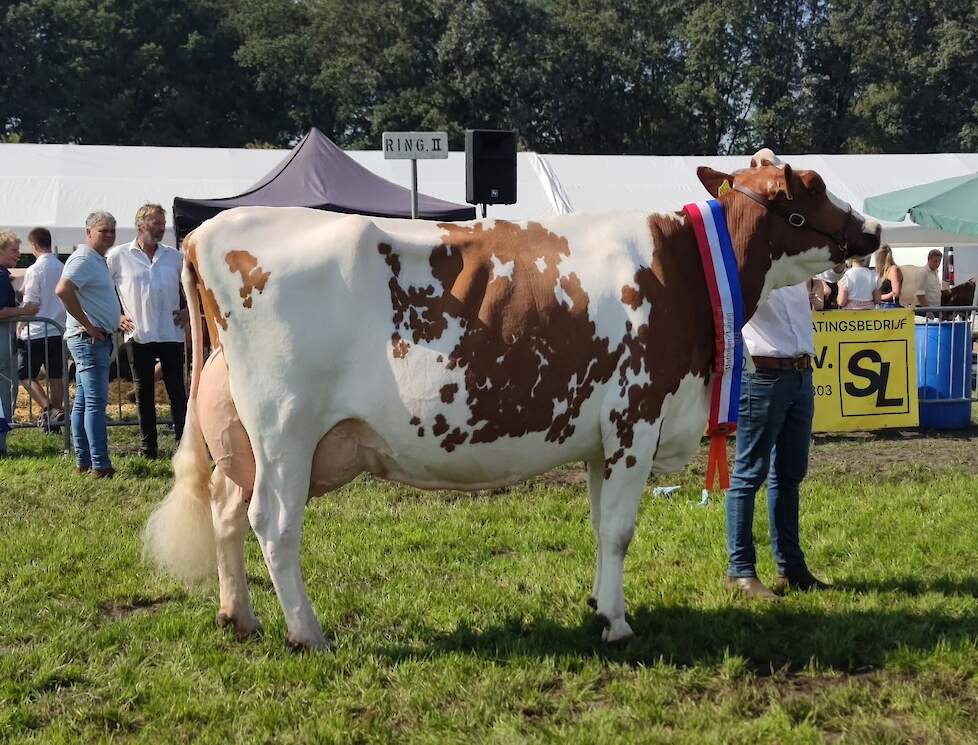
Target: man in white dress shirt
pixel 40 343
pixel 929 294
pixel 774 430
pixel 147 276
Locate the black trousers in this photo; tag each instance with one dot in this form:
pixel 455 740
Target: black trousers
pixel 142 360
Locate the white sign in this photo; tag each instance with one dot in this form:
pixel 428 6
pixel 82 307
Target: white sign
pixel 415 145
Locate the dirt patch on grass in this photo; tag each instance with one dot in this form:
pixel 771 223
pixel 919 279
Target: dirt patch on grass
pixel 892 452
pixel 116 609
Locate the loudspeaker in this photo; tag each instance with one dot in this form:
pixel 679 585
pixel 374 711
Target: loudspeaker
pixel 490 166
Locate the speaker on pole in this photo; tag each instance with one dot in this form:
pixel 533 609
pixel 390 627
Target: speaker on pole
pixel 490 166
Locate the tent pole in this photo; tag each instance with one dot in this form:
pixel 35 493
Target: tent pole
pixel 414 188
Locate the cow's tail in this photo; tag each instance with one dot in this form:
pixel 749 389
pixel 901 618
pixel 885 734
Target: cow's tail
pixel 179 535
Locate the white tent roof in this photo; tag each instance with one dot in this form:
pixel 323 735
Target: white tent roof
pixel 56 186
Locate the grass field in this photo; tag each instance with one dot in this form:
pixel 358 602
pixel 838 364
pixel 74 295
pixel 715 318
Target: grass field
pixel 462 618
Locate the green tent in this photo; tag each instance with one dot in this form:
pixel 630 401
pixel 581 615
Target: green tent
pixel 950 204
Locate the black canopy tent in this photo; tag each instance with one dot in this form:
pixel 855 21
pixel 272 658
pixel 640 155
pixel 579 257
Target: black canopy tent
pixel 319 174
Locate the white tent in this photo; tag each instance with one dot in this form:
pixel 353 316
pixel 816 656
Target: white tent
pixel 58 185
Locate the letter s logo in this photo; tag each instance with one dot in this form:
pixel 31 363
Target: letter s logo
pixel 875 381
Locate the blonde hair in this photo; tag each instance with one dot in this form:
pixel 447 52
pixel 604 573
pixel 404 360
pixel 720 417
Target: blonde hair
pixel 883 260
pixel 8 237
pixel 144 212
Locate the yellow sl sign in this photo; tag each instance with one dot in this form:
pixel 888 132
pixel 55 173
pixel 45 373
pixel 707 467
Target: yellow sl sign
pixel 864 370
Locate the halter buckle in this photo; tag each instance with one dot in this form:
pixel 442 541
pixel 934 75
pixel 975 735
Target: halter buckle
pixel 796 219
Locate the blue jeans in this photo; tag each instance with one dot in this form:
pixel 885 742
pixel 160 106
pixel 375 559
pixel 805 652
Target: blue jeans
pixel 774 433
pixel 8 380
pixel 89 432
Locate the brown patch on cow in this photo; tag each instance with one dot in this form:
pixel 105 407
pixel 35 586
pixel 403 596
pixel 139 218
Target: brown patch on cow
pixel 441 425
pixel 630 461
pixel 415 421
pixel 213 316
pixel 420 431
pixel 391 258
pixel 439 359
pixel 675 341
pixel 523 351
pixel 455 437
pixel 448 392
pixel 252 276
pixel 212 311
pixel 399 347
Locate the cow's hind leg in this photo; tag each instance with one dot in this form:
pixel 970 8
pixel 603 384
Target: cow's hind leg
pixel 229 512
pixel 621 493
pixel 276 510
pixel 595 480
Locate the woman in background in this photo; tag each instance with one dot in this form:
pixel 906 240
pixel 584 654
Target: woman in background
pixel 888 276
pixel 857 288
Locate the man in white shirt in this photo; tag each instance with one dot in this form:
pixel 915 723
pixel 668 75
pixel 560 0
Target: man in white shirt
pixel 774 430
pixel 147 276
pixel 929 294
pixel 40 343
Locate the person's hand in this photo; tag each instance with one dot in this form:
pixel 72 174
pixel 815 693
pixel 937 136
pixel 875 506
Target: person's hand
pixel 29 309
pixel 95 332
pixel 126 324
pixel 181 318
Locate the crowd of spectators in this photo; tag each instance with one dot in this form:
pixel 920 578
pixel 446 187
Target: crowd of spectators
pixel 101 292
pixel 880 286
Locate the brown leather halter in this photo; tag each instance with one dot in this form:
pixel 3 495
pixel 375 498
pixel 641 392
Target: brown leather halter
pixel 798 220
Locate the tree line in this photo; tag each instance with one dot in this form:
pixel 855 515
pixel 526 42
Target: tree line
pixel 571 76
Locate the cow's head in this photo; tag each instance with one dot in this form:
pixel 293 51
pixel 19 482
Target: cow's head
pixel 785 225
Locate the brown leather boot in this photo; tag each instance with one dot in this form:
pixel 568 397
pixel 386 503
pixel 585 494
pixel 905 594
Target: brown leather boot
pixel 804 581
pixel 750 587
pixel 104 473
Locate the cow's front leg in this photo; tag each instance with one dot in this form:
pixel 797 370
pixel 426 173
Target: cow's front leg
pixel 229 512
pixel 621 492
pixel 276 511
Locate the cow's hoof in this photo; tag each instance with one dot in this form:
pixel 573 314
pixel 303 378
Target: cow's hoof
pixel 296 645
pixel 243 628
pixel 617 632
pixel 592 603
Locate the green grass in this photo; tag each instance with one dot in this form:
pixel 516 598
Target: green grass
pixel 461 618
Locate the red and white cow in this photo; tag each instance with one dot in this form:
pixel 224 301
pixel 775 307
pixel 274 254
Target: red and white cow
pixel 461 356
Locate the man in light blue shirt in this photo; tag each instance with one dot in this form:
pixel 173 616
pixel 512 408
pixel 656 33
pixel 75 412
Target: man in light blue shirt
pixel 88 293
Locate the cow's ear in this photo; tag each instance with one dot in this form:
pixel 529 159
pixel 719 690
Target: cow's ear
pixel 716 183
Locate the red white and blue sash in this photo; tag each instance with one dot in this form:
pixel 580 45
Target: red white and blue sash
pixel 723 283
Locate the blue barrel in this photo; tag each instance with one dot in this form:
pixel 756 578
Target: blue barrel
pixel 944 372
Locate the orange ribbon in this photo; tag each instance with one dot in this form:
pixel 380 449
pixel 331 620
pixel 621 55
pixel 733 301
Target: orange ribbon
pixel 716 465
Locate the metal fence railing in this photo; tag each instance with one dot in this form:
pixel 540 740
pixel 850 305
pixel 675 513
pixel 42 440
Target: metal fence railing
pixel 29 415
pixel 14 335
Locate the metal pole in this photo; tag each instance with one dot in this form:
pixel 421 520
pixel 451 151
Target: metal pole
pixel 414 188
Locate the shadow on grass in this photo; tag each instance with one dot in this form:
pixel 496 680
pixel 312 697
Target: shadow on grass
pixel 768 640
pixel 967 587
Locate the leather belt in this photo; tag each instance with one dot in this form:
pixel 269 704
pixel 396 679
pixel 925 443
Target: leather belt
pixel 802 362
